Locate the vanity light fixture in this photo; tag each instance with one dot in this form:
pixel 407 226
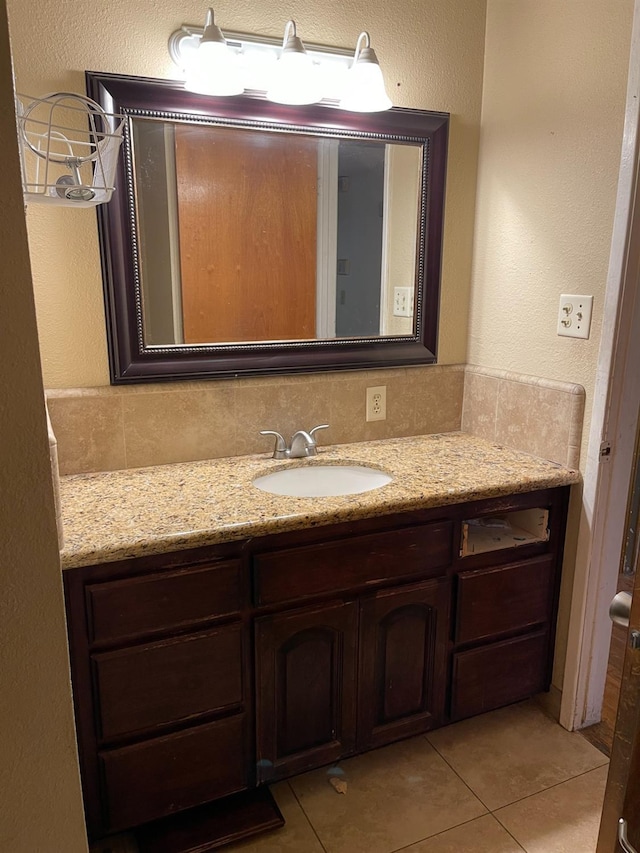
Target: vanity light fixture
pixel 295 78
pixel 364 90
pixel 276 67
pixel 214 68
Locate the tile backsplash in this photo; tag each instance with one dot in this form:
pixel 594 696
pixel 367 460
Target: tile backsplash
pixel 112 427
pixel 539 416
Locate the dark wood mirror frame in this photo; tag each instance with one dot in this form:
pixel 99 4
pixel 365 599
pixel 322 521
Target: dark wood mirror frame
pixel 131 361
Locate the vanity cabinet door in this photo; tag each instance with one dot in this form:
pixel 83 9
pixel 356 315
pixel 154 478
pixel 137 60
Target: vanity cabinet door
pixel 403 649
pixel 306 696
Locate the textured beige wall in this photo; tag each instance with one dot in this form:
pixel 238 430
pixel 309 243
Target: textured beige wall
pixel 552 118
pixel 40 806
pixel 432 54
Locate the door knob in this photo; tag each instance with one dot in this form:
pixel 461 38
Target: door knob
pixel 623 841
pixel 620 609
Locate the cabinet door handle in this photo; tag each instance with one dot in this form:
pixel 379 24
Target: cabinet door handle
pixel 623 841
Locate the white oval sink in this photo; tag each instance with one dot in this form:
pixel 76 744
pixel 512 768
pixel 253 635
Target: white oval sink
pixel 322 481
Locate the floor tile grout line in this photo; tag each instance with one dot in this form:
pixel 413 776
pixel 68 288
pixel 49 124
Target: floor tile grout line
pixel 488 812
pixel 549 788
pixel 520 799
pixel 449 829
pixel 308 819
pixel 453 770
pixel 509 833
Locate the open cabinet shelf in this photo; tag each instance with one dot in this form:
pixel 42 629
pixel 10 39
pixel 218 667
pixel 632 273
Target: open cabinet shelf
pixel 508 530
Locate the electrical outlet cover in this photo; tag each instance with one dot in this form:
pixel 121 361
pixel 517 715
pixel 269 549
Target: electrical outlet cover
pixel 377 403
pixel 574 315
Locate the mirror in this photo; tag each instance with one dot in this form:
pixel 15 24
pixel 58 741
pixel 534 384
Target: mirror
pixel 246 237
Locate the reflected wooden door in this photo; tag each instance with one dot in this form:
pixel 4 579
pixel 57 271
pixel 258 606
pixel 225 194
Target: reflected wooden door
pixel 247 212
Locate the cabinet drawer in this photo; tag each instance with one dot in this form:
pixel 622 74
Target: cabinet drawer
pixel 342 564
pixel 499 674
pixel 168 774
pixel 162 601
pixel 497 600
pixel 170 680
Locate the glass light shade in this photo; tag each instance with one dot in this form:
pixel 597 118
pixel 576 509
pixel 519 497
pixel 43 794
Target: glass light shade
pixel 295 80
pixel 214 71
pixel 215 68
pixel 364 90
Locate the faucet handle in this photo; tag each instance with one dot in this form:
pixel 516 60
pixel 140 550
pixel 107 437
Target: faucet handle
pixel 316 428
pixel 280 450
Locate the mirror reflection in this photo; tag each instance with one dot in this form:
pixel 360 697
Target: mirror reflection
pixel 251 235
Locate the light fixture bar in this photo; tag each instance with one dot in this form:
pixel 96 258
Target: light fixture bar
pixel 187 38
pixel 286 71
pixel 256 51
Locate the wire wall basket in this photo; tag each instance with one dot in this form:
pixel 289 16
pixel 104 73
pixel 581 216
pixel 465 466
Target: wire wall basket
pixel 68 149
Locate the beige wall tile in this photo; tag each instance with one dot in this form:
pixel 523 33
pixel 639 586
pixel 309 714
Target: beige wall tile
pixel 573 456
pixel 284 407
pixel 539 416
pixel 577 420
pixel 89 431
pixel 535 419
pixel 480 404
pixel 348 409
pixel 178 426
pixel 182 421
pixel 438 397
pixel 563 820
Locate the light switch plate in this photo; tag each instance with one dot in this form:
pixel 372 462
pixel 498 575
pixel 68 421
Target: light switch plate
pixel 574 315
pixel 402 302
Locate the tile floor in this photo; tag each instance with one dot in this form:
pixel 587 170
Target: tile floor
pixel 505 782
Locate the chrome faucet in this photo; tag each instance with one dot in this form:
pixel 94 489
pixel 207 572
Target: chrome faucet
pixel 302 443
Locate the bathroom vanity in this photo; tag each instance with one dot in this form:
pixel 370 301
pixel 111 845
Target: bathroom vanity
pixel 292 633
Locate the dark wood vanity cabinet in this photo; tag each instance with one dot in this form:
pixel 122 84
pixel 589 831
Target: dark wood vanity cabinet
pixel 345 677
pixel 202 673
pixel 306 666
pixel 403 658
pixel 161 663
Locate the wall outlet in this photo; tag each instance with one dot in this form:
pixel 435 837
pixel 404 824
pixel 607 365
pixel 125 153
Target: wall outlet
pixel 377 403
pixel 402 302
pixel 574 315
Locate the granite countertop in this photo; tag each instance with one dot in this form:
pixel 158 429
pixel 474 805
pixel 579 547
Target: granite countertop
pixel 119 514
